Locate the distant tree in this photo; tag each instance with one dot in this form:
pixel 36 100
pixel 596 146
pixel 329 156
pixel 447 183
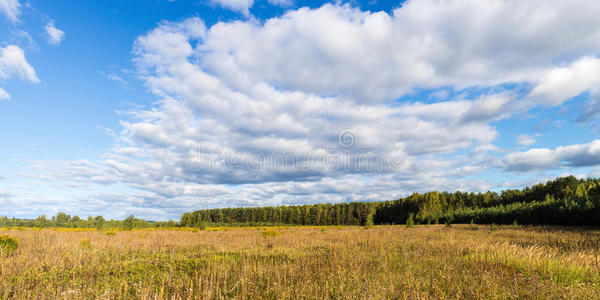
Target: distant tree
pixel 129 222
pixel 99 222
pixel 62 219
pixel 41 221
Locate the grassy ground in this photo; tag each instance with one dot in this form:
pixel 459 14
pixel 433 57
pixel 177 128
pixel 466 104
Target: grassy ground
pixel 465 261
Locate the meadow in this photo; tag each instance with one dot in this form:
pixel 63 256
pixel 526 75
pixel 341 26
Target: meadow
pixel 315 262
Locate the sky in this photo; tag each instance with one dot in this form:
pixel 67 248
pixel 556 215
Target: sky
pixel 155 108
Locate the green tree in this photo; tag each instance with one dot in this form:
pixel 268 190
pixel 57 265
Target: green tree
pixel 129 222
pixel 62 219
pixel 41 221
pixel 99 222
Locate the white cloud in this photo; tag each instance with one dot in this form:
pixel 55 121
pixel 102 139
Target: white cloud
pixel 582 155
pixel 241 6
pixel 337 50
pixel 116 78
pixel 562 83
pixel 10 9
pixel 55 35
pixel 13 63
pixel 525 140
pixel 4 95
pixel 282 3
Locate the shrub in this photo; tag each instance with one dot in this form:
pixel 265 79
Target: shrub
pixel 369 221
pixel 410 222
pixel 110 233
pixel 8 244
pixel 493 227
pixel 515 225
pixel 270 233
pixel 202 226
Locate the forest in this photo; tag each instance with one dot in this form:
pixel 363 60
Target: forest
pixel 562 201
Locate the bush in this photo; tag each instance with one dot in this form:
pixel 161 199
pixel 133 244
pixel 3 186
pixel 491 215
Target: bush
pixel 369 222
pixel 110 233
pixel 202 226
pixel 8 244
pixel 493 227
pixel 410 222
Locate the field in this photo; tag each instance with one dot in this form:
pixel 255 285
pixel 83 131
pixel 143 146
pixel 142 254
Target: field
pixel 423 262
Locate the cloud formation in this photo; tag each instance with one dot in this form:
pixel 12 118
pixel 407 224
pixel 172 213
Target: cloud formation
pixel 10 9
pixel 55 35
pixel 241 6
pixel 4 95
pixel 582 155
pixel 230 94
pixel 339 50
pixel 13 63
pixel 561 83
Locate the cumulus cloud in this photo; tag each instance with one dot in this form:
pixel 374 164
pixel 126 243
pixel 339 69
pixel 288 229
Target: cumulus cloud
pixel 339 50
pixel 241 6
pixel 582 155
pixel 13 63
pixel 562 83
pixel 55 35
pixel 10 9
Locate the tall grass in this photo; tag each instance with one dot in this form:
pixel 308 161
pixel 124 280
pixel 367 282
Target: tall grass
pixel 385 262
pixel 8 244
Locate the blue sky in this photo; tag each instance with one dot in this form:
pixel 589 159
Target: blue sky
pixel 154 108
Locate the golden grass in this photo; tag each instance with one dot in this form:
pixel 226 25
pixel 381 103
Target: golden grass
pixel 8 244
pixel 384 262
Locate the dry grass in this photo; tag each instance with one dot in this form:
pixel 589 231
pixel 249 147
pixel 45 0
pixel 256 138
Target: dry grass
pixel 465 261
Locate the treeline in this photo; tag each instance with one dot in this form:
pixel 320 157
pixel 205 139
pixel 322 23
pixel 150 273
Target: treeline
pixel 356 213
pixel 563 201
pixel 64 220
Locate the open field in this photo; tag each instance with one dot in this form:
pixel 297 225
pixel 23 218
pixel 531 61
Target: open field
pixel 465 261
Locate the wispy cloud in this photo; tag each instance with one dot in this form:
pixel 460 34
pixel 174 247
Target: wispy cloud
pixel 55 35
pixel 10 9
pixel 13 63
